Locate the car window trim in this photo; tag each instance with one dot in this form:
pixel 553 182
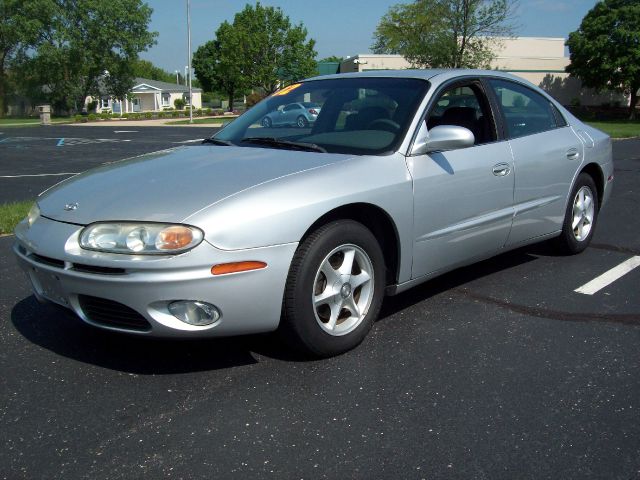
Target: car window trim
pixel 554 108
pixel 461 81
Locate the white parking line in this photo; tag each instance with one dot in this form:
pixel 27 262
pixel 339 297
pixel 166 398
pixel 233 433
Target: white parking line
pixel 39 175
pixel 609 276
pixel 191 141
pixel 125 131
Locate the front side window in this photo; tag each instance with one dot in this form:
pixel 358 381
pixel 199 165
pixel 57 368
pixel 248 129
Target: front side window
pixel 105 103
pixel 464 106
pixel 166 99
pixel 358 115
pixel 525 112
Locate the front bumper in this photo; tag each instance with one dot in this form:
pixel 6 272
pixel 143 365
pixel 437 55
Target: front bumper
pixel 131 293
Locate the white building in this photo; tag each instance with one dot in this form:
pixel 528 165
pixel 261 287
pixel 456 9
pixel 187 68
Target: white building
pixel 148 96
pixel 540 60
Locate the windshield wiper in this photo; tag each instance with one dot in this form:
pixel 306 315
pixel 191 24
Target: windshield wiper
pixel 274 142
pixel 216 141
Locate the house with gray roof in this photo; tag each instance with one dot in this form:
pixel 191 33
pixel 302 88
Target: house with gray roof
pixel 148 96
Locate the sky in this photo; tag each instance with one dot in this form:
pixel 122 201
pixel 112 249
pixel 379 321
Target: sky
pixel 340 27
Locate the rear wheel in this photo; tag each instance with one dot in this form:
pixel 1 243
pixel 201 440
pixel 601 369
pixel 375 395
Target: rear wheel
pixel 580 217
pixel 266 122
pixel 302 122
pixel 334 290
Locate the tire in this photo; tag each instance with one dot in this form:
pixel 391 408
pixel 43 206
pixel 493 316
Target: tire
pixel 302 122
pixel 327 312
pixel 580 217
pixel 266 122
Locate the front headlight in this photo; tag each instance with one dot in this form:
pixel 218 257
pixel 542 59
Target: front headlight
pixel 140 238
pixel 33 214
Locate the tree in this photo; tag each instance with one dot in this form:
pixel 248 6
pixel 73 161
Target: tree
pixel 605 50
pixel 445 33
pixel 276 52
pixel 260 49
pixel 146 69
pixel 21 27
pixel 218 65
pixel 89 48
pixel 332 59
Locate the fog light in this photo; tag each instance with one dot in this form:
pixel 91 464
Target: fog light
pixel 195 313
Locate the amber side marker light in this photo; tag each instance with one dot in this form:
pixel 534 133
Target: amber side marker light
pixel 235 267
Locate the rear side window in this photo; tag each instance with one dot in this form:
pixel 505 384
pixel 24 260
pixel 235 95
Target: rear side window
pixel 525 111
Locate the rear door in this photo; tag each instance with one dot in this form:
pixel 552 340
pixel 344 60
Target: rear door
pixel 546 155
pixel 463 199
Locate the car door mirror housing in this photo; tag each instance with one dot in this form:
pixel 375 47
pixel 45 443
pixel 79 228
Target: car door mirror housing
pixel 442 138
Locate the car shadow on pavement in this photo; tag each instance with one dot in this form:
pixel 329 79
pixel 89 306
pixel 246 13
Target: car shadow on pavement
pixel 458 278
pixel 60 331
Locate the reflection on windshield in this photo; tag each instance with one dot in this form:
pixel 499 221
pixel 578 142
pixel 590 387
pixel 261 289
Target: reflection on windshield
pixel 357 115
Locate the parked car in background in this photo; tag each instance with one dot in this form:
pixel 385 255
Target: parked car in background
pixel 400 177
pixel 297 114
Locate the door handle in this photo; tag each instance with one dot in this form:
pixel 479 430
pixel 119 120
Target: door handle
pixel 573 154
pixel 501 170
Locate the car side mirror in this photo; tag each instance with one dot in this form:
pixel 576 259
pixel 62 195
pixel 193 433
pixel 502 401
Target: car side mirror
pixel 442 138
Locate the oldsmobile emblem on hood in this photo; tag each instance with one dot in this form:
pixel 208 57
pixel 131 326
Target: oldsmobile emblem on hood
pixel 71 206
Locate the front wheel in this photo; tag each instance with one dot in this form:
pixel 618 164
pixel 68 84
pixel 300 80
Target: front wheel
pixel 334 290
pixel 266 122
pixel 580 217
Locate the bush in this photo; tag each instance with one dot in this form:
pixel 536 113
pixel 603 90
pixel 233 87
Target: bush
pixel 253 98
pixel 175 114
pixel 148 115
pixel 198 112
pixel 208 111
pixel 92 117
pixel 115 115
pixel 179 103
pixel 161 115
pixel 78 118
pixel 105 115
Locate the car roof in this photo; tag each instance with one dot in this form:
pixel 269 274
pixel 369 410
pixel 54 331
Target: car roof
pixel 439 74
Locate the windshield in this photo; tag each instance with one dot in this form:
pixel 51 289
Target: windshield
pixel 357 115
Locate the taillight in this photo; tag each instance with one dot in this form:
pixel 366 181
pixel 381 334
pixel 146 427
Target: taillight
pixel 313 111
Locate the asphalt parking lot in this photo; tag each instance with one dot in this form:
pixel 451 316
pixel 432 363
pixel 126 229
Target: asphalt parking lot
pixel 498 371
pixel 34 158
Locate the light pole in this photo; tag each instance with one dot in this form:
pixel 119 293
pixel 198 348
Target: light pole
pixel 177 78
pixel 189 46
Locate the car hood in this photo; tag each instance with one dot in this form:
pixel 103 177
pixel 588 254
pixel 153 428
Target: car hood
pixel 171 185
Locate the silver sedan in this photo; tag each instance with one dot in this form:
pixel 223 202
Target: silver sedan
pixel 299 114
pixel 403 176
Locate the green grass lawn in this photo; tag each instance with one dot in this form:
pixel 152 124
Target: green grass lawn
pixel 11 214
pixel 8 122
pixel 219 121
pixel 618 128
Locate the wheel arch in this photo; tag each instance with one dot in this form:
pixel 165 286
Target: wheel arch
pixel 595 172
pixel 375 219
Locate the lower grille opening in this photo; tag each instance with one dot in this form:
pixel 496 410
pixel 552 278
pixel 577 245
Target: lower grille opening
pixel 79 267
pixel 52 262
pixel 112 314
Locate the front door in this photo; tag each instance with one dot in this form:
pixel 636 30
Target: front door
pixel 135 103
pixel 463 199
